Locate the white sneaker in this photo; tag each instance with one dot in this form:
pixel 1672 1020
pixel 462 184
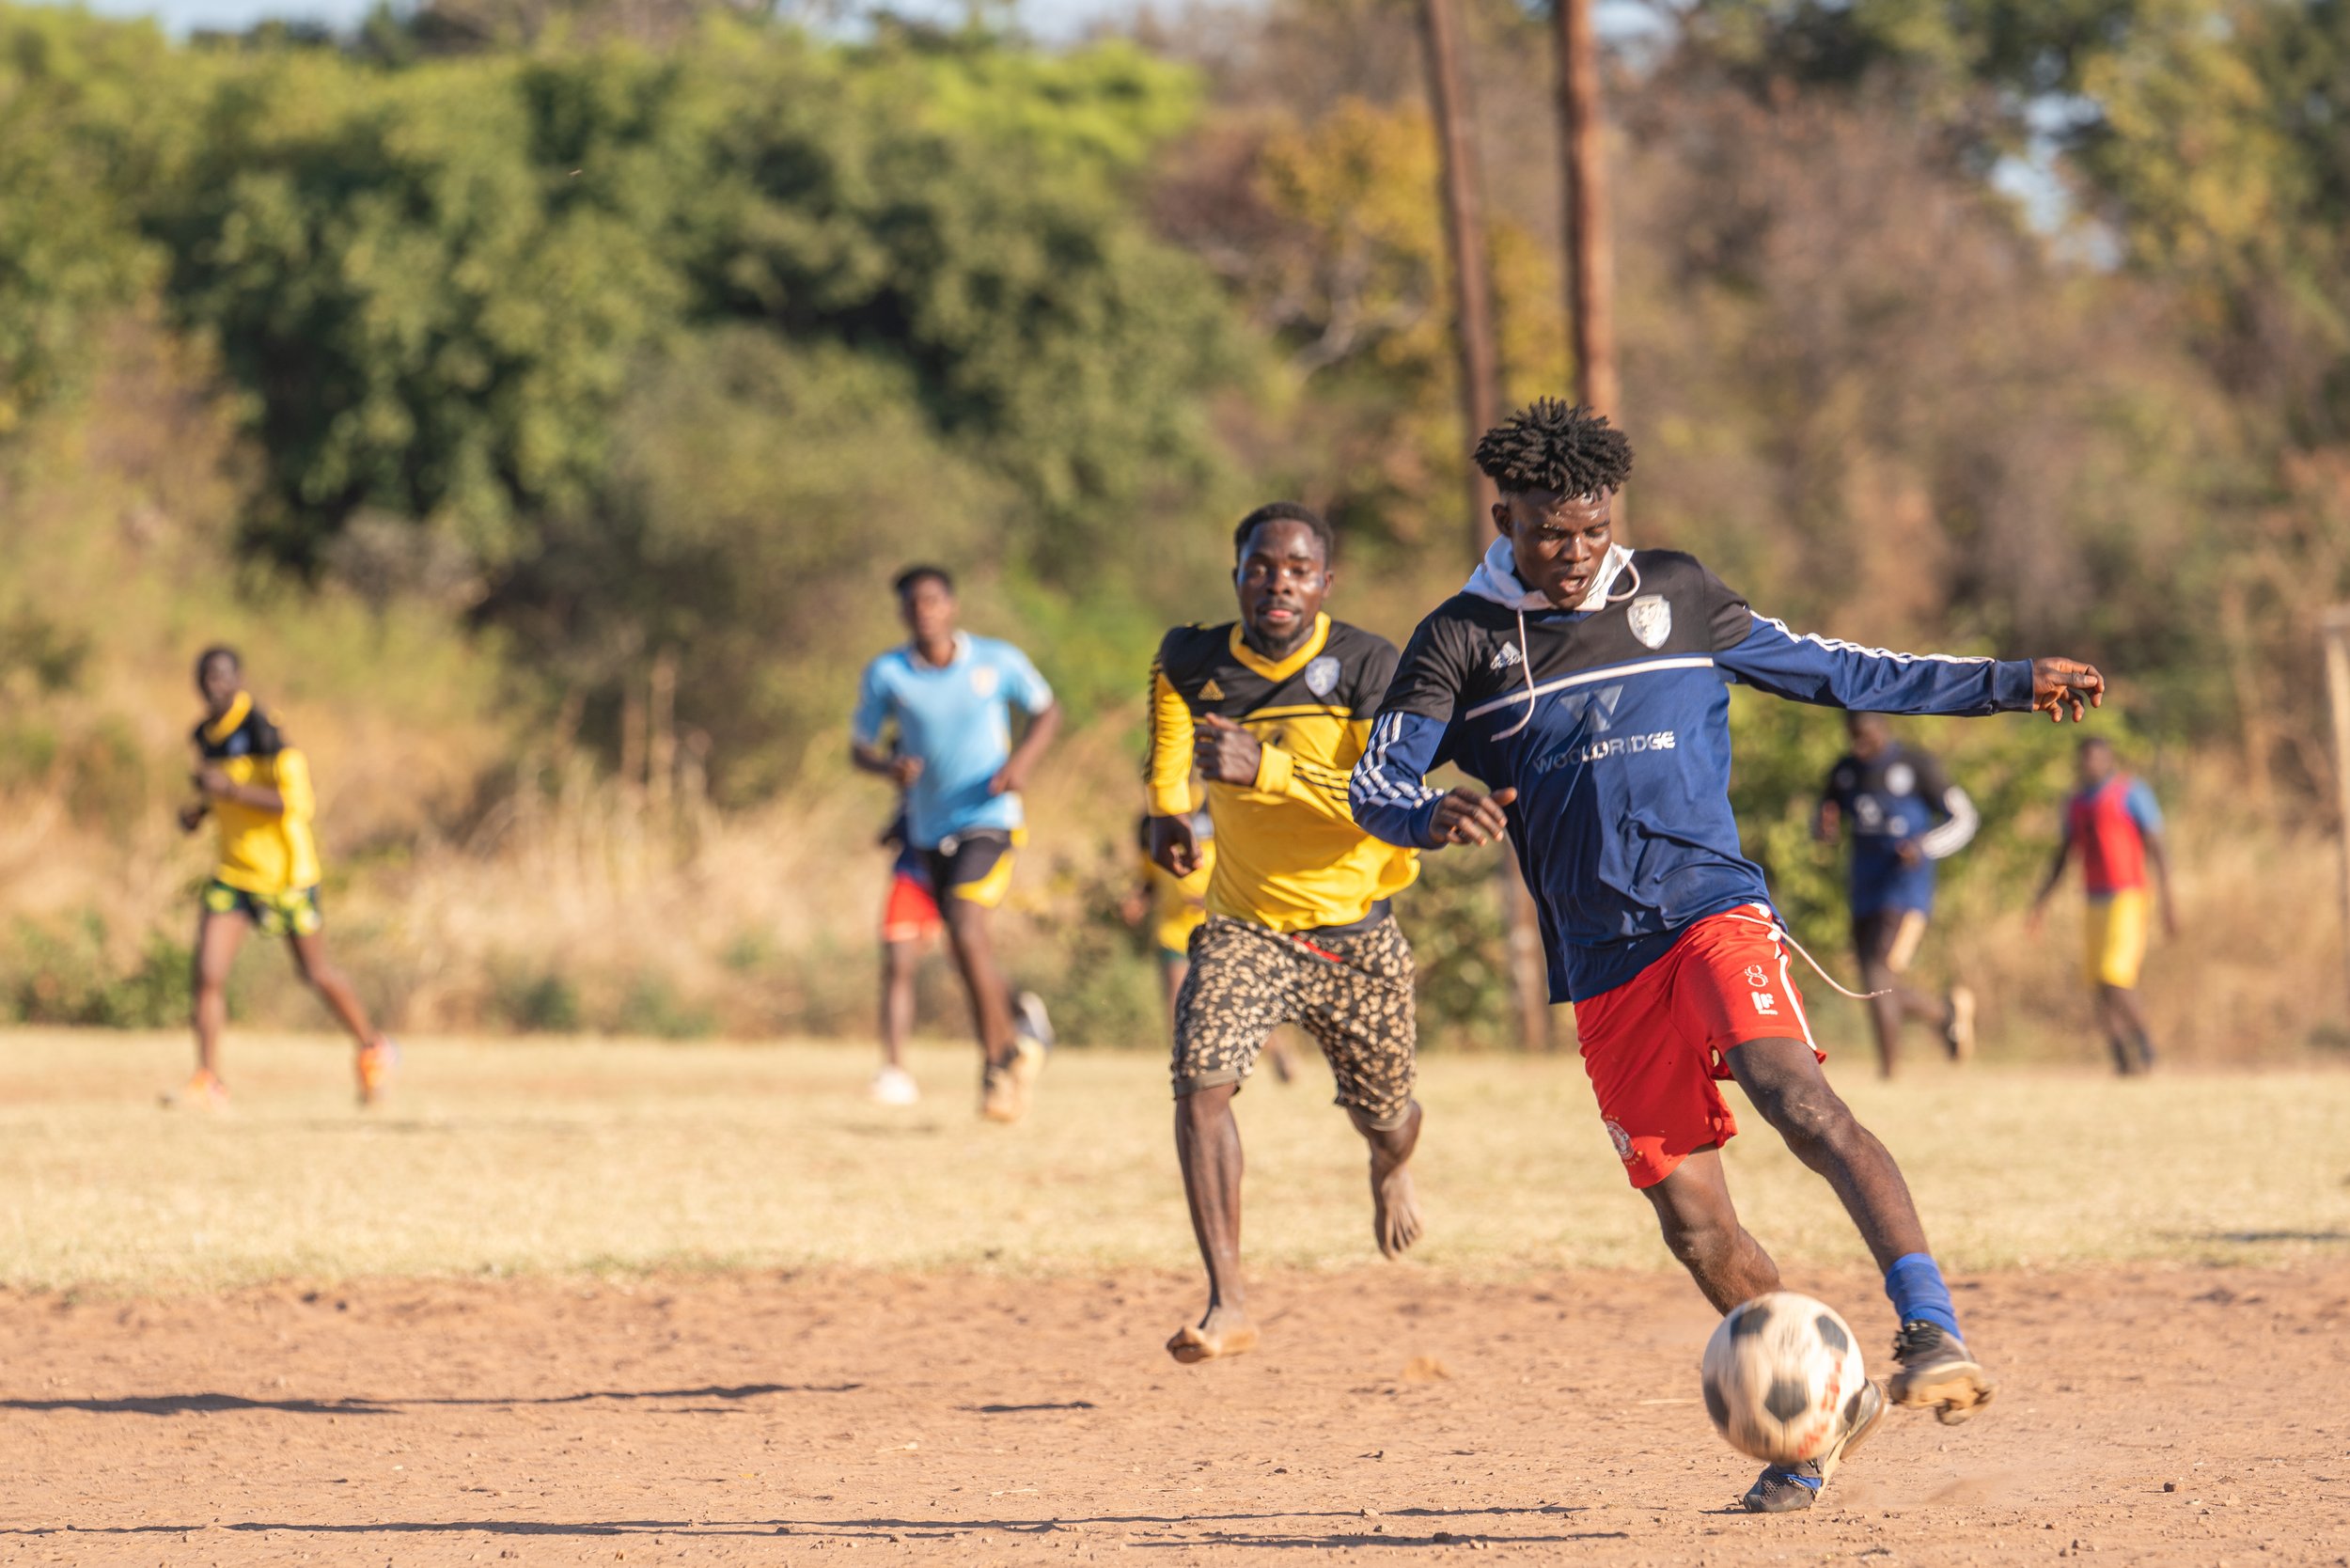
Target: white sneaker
pixel 1030 1021
pixel 894 1086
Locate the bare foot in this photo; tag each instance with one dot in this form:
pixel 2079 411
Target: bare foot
pixel 1224 1331
pixel 1394 1214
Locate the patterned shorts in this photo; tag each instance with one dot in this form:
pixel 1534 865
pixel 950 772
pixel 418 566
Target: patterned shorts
pixel 1352 994
pixel 294 914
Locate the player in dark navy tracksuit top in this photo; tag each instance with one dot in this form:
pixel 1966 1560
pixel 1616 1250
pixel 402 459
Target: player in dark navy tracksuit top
pixel 1906 817
pixel 1587 686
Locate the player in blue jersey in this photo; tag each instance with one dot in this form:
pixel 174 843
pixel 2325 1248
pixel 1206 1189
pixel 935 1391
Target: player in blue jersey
pixel 1907 817
pixel 935 717
pixel 1587 686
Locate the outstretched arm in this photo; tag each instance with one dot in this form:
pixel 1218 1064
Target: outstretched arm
pixel 1837 674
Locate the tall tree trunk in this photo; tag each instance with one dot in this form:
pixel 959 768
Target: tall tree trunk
pixel 1481 392
pixel 1464 230
pixel 1590 244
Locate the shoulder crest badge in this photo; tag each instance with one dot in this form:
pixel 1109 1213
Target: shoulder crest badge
pixel 1652 619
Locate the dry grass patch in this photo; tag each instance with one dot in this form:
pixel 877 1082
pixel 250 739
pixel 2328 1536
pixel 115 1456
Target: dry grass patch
pixel 557 1157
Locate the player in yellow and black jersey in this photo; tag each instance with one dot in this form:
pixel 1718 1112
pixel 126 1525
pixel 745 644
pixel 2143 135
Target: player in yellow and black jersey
pixel 256 787
pixel 1272 709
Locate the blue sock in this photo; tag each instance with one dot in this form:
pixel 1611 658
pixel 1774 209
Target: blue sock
pixel 1917 1292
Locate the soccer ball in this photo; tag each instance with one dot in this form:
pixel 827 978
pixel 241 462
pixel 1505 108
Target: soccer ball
pixel 1783 1377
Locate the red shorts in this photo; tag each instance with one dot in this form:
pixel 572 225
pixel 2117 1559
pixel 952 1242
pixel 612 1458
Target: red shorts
pixel 1654 1046
pixel 911 913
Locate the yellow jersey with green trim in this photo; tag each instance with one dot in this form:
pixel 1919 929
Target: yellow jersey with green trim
pixel 260 851
pixel 1288 855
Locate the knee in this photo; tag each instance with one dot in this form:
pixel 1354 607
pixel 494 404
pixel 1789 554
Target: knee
pixel 1694 1235
pixel 1812 1118
pixel 1203 1107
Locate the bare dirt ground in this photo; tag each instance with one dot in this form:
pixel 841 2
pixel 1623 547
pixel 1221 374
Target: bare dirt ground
pixel 2149 1414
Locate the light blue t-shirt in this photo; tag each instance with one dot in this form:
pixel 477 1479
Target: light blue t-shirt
pixel 957 720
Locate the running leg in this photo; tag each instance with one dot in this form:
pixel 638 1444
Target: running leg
pixel 1784 1079
pixel 1702 1230
pixel 217 939
pixel 319 971
pixel 1207 1146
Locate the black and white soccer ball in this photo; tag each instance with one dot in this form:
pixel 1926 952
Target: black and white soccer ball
pixel 1783 1377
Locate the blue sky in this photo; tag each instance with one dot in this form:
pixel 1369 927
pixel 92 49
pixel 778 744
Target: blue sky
pixel 1052 18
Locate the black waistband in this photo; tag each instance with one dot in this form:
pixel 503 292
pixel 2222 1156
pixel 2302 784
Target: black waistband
pixel 1376 915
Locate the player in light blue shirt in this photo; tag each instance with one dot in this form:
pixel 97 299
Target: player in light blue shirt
pixel 935 716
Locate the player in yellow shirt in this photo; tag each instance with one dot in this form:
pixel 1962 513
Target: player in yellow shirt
pixel 257 789
pixel 1273 710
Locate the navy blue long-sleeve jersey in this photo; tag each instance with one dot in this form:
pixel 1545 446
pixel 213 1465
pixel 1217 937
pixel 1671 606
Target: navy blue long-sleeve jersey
pixel 1613 725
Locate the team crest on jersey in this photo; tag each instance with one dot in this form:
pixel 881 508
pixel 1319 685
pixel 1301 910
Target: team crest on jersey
pixel 1652 619
pixel 1621 1139
pixel 985 679
pixel 1321 676
pixel 1901 779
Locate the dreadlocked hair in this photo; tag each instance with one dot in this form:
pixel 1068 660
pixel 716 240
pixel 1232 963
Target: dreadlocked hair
pixel 1550 445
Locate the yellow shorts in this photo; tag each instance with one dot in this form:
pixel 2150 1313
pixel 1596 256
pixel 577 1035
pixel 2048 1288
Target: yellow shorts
pixel 2117 938
pixel 1173 931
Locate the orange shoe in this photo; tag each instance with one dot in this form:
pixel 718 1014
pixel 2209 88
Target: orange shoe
pixel 203 1093
pixel 375 1063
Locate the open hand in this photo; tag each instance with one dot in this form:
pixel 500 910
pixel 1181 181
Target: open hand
pixel 1009 780
pixel 1224 752
pixel 211 782
pixel 2061 685
pixel 1174 848
pixel 905 770
pixel 1466 817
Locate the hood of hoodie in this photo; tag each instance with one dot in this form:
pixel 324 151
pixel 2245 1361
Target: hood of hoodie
pixel 1497 578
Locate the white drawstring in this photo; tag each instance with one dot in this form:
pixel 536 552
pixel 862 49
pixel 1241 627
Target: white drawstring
pixel 1526 662
pixel 1633 567
pixel 1789 937
pixel 1525 653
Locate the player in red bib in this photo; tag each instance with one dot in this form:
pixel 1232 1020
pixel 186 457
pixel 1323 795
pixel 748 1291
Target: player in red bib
pixel 2113 824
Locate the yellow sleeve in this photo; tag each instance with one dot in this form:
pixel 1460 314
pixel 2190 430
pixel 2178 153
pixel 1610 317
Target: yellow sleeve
pixel 1169 777
pixel 292 773
pixel 1291 777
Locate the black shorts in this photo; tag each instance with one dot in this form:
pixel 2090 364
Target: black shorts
pixel 1890 937
pixel 974 867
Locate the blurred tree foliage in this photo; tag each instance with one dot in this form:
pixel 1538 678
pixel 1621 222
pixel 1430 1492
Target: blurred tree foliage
pixel 651 336
pixel 459 290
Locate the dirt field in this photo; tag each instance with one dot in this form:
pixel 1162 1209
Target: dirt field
pixel 2157 1415
pixel 567 1302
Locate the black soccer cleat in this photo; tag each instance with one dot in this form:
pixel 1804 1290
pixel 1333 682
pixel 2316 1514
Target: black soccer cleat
pixel 1791 1488
pixel 1937 1370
